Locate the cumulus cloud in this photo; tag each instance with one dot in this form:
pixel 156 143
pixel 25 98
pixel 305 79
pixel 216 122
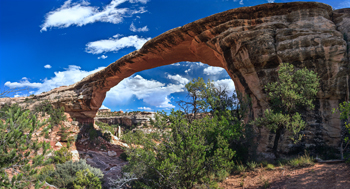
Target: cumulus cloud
pixel 134 29
pixel 144 108
pixel 270 1
pixel 81 13
pixel 115 44
pixel 151 92
pixel 227 84
pixel 23 83
pixel 48 66
pixel 186 71
pixel 71 75
pixel 213 70
pixel 178 78
pixel 104 107
pixel 102 57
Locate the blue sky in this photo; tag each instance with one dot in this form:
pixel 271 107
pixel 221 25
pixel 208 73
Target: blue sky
pixel 45 44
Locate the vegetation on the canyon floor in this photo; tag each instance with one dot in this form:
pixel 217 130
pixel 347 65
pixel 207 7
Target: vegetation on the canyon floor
pixel 190 148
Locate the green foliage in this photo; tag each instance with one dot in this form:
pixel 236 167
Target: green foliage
pixel 270 167
pixel 62 155
pixel 65 174
pixel 107 136
pixel 302 161
pixel 240 168
pixel 19 148
pixel 85 179
pixel 56 114
pixel 294 90
pixel 123 156
pixel 188 153
pixel 252 165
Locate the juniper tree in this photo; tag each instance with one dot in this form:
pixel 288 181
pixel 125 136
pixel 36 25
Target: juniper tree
pixel 293 92
pixel 20 152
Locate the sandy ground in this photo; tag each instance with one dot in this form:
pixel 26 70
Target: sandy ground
pixel 319 176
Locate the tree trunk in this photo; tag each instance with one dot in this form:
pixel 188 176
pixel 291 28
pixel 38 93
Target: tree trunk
pixel 279 131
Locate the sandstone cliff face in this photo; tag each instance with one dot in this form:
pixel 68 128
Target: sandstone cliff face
pixel 250 43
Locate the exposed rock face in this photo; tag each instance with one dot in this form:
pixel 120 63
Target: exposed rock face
pixel 127 120
pixel 250 43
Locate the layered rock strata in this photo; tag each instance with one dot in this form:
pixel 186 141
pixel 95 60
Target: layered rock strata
pixel 250 43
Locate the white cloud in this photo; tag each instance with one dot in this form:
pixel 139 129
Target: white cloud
pixel 104 107
pixel 176 64
pixel 23 83
pixel 227 84
pixel 186 71
pixel 114 45
pixel 82 13
pixel 71 75
pixel 134 29
pixel 102 57
pixel 270 1
pixel 151 92
pixel 144 108
pixel 48 66
pixel 241 1
pixel 213 70
pixel 179 79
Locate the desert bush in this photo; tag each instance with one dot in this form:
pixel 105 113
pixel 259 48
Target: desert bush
pixel 62 156
pixel 65 174
pixel 85 179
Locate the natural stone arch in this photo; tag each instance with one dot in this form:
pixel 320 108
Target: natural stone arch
pixel 250 43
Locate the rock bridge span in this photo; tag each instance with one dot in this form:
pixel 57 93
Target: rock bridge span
pixel 250 43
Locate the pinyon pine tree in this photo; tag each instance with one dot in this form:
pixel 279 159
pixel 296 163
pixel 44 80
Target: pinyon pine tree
pixel 20 152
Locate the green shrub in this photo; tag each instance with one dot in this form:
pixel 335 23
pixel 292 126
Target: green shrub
pixel 62 155
pixel 270 167
pixel 123 156
pixel 86 180
pixel 107 136
pixel 240 168
pixel 252 165
pixel 302 161
pixel 56 114
pixel 65 174
pixel 46 171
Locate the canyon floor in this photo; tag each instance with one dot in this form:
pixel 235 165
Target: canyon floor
pixel 318 176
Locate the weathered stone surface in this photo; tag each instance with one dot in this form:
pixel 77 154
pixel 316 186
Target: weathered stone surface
pixel 250 43
pixel 112 153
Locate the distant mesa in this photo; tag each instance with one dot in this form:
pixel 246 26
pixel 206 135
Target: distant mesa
pixel 249 43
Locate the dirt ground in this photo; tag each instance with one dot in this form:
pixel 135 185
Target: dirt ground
pixel 319 176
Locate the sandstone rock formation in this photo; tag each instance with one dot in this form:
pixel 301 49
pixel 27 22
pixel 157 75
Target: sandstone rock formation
pixel 250 43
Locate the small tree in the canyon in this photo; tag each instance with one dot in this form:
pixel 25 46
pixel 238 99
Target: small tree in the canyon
pixel 344 109
pixel 294 91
